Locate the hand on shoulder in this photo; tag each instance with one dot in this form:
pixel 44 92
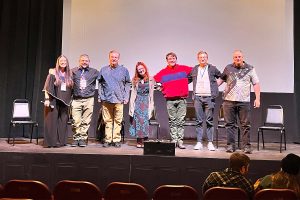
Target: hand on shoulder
pixel 52 71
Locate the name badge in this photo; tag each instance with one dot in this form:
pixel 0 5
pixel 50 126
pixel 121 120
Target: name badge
pixel 82 83
pixel 63 87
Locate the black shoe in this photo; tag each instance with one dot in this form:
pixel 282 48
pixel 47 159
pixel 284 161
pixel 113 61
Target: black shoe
pixel 230 148
pixel 74 143
pixel 82 143
pixel 247 149
pixel 105 144
pixel 117 144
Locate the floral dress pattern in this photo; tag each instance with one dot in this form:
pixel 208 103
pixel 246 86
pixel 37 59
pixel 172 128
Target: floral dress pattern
pixel 139 126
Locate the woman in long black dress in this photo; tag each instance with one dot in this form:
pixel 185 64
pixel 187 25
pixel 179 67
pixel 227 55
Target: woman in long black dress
pixel 57 89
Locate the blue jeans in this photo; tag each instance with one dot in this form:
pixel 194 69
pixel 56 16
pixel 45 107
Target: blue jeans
pixel 204 107
pixel 177 111
pixel 233 111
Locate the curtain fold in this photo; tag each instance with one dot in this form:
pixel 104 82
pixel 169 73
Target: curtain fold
pixel 30 42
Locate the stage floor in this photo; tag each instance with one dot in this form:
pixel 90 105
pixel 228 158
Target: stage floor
pixel 271 151
pixel 127 164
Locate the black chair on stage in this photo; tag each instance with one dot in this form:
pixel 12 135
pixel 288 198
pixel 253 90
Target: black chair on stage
pixel 153 122
pixel 190 117
pixel 274 122
pixel 21 115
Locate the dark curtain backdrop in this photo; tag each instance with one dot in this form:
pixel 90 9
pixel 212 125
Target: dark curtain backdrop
pixel 30 41
pixel 297 59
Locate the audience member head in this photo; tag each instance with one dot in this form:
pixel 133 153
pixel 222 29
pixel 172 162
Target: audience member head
pixel 291 164
pixel 239 162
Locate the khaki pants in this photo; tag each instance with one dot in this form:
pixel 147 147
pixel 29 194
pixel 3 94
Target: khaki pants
pixel 82 110
pixel 112 116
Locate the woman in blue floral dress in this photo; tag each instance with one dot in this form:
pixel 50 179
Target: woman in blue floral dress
pixel 141 103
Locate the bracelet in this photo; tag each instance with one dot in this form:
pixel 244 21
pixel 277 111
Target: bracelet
pixel 46 99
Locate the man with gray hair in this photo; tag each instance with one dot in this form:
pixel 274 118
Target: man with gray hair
pixel 114 88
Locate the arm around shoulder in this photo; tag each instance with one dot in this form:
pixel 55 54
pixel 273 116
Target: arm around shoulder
pixel 52 71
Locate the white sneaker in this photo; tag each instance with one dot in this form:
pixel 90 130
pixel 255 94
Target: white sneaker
pixel 210 146
pixel 198 146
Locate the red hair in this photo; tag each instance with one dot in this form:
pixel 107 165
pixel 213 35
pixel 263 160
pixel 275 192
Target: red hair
pixel 137 77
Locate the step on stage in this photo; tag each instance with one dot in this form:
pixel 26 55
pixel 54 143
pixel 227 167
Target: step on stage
pixel 127 164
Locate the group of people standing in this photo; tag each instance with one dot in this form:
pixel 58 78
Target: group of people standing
pixel 75 87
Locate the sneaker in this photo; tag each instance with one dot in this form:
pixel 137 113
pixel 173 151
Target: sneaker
pixel 210 146
pixel 117 144
pixel 198 146
pixel 82 143
pixel 180 145
pixel 247 149
pixel 74 143
pixel 230 148
pixel 105 144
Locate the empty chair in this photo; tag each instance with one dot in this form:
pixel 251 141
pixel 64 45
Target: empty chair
pixel 275 194
pixel 221 124
pixel 274 122
pixel 21 115
pixel 76 190
pixel 153 122
pixel 225 193
pixel 190 117
pixel 26 189
pixel 175 192
pixel 125 191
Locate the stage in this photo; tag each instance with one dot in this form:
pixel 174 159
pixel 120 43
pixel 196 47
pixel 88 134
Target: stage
pixel 128 164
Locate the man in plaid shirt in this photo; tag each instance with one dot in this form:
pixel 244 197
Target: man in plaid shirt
pixel 234 176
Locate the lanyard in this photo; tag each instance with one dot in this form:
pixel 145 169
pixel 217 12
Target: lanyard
pixel 61 76
pixel 82 73
pixel 203 71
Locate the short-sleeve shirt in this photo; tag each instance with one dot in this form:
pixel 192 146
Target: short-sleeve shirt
pixel 239 80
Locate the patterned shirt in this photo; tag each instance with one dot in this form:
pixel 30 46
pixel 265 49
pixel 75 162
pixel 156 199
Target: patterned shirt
pixel 114 84
pixel 90 76
pixel 239 81
pixel 228 178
